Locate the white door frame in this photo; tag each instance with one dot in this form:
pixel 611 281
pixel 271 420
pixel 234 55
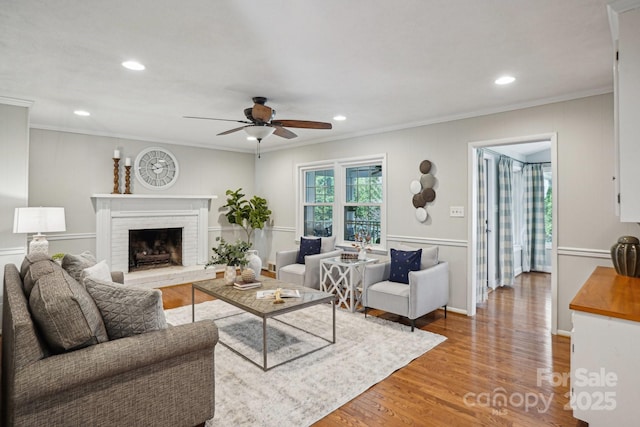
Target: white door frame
pixel 490 197
pixel 472 222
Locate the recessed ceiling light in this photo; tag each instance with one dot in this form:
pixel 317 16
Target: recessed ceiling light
pixel 82 113
pixel 339 118
pixel 505 80
pixel 133 65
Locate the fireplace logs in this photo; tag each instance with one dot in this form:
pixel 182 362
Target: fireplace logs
pixel 154 248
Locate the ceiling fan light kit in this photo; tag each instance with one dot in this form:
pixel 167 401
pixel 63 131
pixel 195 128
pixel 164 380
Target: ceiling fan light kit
pixel 260 123
pixel 259 132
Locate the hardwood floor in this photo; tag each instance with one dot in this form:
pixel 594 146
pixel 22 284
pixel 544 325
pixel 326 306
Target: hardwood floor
pixel 485 374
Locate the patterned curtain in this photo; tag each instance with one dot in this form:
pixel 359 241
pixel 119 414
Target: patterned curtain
pixel 534 216
pixel 481 234
pixel 505 222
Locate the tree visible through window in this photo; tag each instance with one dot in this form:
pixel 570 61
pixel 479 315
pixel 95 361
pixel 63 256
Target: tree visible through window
pixel 318 206
pixel 548 222
pixel 363 190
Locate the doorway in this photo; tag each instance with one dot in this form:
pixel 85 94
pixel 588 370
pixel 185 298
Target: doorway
pixel 483 227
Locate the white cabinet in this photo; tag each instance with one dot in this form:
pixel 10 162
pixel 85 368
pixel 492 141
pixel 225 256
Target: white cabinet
pixel 605 377
pixel 624 16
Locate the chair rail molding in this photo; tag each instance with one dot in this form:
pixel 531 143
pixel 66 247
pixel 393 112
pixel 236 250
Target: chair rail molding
pixel 427 240
pixel 584 252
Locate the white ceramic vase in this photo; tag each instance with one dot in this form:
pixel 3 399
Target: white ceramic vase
pixel 229 274
pixel 362 255
pixel 254 261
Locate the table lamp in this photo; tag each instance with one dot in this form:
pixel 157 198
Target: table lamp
pixel 38 220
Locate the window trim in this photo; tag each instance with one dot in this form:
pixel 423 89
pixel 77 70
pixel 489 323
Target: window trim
pixel 339 167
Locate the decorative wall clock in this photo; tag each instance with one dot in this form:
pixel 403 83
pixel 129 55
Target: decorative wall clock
pixel 156 168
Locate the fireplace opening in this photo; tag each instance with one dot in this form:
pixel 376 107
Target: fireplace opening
pixel 154 248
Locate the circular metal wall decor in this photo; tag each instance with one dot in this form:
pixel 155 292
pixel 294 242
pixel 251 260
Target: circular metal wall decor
pixel 427 180
pixel 415 187
pixel 422 190
pixel 425 166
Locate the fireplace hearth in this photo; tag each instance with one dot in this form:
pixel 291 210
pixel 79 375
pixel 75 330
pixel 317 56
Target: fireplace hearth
pixel 154 248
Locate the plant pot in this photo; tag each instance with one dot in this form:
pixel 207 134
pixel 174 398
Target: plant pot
pixel 254 261
pixel 625 255
pixel 229 274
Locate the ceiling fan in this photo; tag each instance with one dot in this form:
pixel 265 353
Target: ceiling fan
pixel 261 123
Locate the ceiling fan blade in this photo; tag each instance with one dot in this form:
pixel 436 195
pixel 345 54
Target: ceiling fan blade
pixel 261 113
pixel 282 132
pixel 211 118
pixel 231 131
pixel 302 124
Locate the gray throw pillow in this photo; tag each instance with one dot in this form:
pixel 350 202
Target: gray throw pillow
pixel 127 310
pixel 74 264
pixel 29 260
pixel 65 313
pixel 34 267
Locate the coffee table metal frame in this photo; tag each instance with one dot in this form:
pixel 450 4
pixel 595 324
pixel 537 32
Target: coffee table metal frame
pixel 264 308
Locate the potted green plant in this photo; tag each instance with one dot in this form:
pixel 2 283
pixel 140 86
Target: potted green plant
pixel 231 255
pixel 250 214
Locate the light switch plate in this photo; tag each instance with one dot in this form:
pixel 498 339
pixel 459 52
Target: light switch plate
pixel 456 211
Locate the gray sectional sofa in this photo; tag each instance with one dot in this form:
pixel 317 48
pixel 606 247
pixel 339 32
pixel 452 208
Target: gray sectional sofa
pixel 159 378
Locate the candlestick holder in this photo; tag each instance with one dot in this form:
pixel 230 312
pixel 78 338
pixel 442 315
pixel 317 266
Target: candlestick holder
pixel 127 180
pixel 116 176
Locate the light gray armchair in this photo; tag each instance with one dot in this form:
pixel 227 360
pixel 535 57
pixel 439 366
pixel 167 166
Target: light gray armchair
pixel 307 274
pixel 428 289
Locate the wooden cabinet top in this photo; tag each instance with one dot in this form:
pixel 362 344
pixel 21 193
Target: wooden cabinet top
pixel 609 294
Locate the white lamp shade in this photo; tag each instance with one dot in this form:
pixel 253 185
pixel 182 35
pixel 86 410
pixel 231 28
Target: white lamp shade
pixel 38 220
pixel 259 132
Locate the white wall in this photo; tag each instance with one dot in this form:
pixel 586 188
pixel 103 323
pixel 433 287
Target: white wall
pixel 14 146
pixel 67 168
pixel 587 225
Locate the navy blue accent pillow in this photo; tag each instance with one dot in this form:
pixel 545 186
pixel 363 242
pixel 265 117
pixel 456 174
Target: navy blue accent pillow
pixel 308 247
pixel 402 262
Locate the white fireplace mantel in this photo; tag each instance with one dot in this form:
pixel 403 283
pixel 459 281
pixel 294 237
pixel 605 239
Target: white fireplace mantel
pixel 116 214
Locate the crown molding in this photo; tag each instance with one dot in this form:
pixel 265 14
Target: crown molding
pixel 16 102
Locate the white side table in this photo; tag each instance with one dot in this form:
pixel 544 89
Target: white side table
pixel 345 279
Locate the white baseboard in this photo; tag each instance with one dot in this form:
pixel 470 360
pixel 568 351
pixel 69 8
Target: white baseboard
pixel 456 310
pixel 563 333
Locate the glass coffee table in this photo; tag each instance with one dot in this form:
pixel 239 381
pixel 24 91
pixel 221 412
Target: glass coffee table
pixel 265 308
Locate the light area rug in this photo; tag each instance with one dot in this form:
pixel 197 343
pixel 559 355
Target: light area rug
pixel 305 390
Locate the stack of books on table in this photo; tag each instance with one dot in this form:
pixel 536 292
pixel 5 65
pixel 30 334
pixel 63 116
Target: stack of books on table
pixel 244 286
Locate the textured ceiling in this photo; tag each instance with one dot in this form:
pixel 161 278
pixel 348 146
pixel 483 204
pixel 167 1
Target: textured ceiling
pixel 383 64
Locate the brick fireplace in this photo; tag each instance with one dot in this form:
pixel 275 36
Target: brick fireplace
pixel 118 214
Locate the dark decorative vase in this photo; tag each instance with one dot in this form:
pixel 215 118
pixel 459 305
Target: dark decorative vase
pixel 626 256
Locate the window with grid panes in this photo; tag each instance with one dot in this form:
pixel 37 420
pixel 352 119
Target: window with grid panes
pixel 319 191
pixel 343 197
pixel 363 203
